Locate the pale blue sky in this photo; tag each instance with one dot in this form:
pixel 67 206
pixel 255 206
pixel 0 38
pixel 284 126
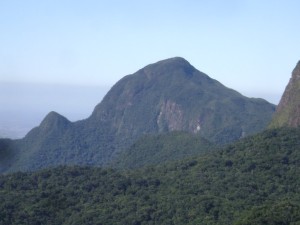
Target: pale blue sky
pixel 245 44
pixel 248 45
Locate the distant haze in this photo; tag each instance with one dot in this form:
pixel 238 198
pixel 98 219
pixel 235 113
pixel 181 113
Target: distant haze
pixel 25 105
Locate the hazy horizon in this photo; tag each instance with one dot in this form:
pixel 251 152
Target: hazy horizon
pixel 28 103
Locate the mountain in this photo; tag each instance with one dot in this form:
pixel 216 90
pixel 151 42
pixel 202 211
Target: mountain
pixel 170 95
pixel 288 110
pixel 253 181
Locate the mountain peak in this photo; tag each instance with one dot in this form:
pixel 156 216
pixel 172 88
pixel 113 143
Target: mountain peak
pixel 52 116
pixel 168 66
pixel 53 119
pixel 174 60
pixel 288 109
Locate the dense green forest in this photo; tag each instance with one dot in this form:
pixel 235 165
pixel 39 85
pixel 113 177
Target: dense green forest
pixel 254 181
pixel 155 149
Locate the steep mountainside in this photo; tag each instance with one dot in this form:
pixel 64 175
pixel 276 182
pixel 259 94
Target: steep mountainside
pixel 254 181
pixel 169 95
pixel 288 110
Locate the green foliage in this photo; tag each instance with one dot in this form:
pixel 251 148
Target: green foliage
pixel 284 212
pixel 156 149
pixel 255 181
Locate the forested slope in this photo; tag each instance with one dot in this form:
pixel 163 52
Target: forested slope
pixel 254 181
pixel 156 149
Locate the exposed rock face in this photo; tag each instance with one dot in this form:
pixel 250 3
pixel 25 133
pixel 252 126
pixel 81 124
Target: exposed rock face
pixel 170 117
pixel 288 110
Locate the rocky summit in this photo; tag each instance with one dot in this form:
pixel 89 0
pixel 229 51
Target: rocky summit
pixel 288 110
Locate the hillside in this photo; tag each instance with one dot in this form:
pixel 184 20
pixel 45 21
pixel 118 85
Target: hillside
pixel 170 95
pixel 157 149
pixel 288 110
pixel 255 181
